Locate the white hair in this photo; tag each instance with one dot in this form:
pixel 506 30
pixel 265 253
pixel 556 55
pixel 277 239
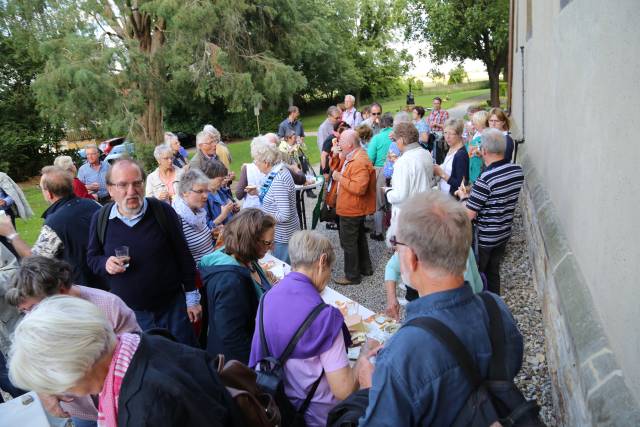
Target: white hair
pixel 306 247
pixel 169 137
pixel 264 151
pixel 494 141
pixel 58 343
pixel 350 97
pixel 160 150
pixel 215 133
pixel 402 117
pixel 64 162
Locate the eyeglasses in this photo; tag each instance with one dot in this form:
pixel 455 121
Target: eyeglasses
pixel 200 192
pixel 394 242
pixel 496 121
pixel 123 186
pixel 267 242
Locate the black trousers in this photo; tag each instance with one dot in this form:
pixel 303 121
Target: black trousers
pixel 353 240
pixel 489 264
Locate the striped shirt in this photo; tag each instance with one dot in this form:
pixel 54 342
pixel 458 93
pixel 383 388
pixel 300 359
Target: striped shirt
pixel 200 242
pixel 280 203
pixel 494 197
pixel 437 117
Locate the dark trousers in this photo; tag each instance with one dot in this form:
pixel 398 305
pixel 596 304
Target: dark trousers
pixel 5 383
pixel 489 264
pixel 174 318
pixel 353 240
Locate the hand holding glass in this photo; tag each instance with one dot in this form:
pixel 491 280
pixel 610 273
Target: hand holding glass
pixel 122 253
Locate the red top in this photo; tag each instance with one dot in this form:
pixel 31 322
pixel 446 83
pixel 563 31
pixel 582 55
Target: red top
pixel 80 190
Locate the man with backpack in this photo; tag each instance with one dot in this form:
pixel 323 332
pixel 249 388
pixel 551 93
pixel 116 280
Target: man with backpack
pixel 416 379
pixel 156 277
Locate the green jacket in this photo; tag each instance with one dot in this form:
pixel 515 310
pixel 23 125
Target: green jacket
pixel 379 147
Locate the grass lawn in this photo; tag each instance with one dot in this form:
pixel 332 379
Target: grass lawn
pixel 30 229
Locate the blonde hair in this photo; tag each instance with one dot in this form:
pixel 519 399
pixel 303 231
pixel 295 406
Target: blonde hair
pixel 455 125
pixel 58 343
pixel 479 119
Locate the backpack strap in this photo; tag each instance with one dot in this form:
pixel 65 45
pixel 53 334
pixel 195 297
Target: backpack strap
pixel 263 340
pixel 301 330
pixel 312 391
pixel 497 366
pixel 103 220
pixel 453 345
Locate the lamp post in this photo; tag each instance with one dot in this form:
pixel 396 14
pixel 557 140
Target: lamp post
pixel 410 99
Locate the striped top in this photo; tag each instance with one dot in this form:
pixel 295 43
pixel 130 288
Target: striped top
pixel 200 242
pixel 280 203
pixel 494 197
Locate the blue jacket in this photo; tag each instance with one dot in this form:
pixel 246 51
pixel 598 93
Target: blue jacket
pixel 416 381
pixel 232 299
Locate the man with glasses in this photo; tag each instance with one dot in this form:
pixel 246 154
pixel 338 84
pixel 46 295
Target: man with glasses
pixel 374 119
pixel 206 145
pixel 415 380
pixel 93 174
pixel 157 278
pixel 326 128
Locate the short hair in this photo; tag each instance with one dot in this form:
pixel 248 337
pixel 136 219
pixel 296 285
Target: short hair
pixel 214 169
pixel 190 178
pixel 38 277
pixel 341 124
pixel 289 133
pixel 122 162
pixel 64 162
pixel 333 110
pixel 376 104
pixel 267 153
pixel 215 133
pixel 366 109
pixel 269 138
pixel 386 121
pixel 436 227
pixel 350 97
pixel 242 234
pixel 493 141
pixel 57 181
pixel 91 147
pixel 455 125
pixel 364 132
pixel 479 118
pixel 161 149
pixel 293 109
pixel 407 131
pixel 307 246
pixel 402 117
pixel 499 112
pixel 58 343
pixel 420 110
pixel 437 98
pixel 202 137
pixel 170 136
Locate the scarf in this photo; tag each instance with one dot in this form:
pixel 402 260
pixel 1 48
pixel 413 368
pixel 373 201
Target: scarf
pixel 197 220
pixel 269 180
pixel 281 321
pixel 108 399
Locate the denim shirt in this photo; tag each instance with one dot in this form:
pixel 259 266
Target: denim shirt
pixel 416 381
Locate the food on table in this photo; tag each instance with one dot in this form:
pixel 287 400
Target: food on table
pixel 358 338
pixel 354 323
pixel 267 265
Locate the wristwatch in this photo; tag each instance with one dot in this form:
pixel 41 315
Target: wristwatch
pixel 11 236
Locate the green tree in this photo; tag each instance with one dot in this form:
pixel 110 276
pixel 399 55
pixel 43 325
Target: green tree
pixel 463 29
pixel 457 75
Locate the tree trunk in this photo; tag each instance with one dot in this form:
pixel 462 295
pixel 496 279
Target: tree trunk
pixel 494 84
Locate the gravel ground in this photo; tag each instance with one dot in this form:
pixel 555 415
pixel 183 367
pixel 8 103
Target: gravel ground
pixel 519 294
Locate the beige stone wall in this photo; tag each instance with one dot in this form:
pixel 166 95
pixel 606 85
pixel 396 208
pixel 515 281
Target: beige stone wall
pixel 582 104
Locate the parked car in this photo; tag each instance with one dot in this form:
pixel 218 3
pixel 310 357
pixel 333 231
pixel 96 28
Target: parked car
pixel 125 149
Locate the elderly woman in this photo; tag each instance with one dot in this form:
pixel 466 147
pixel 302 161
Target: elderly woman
pixel 290 149
pixel 277 196
pixel 321 354
pixel 190 206
pixel 180 158
pixel 499 120
pixel 220 208
pixel 66 347
pixel 40 277
pixel 479 121
pixel 79 189
pixel 455 167
pixel 235 282
pixel 251 177
pixel 162 182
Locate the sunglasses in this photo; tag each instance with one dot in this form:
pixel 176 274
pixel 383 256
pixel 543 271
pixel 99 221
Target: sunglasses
pixel 375 114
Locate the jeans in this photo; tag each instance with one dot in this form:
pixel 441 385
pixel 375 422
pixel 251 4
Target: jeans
pixel 489 264
pixel 174 318
pixel 281 251
pixel 78 422
pixel 353 240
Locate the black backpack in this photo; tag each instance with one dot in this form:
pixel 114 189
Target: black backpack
pixel 271 373
pixel 495 398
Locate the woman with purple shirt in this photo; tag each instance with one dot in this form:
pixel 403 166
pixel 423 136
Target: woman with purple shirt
pixel 322 350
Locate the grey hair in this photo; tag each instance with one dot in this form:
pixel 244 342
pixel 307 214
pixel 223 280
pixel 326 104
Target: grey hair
pixel 58 343
pixel 38 277
pixel 161 149
pixel 215 133
pixel 170 136
pixel 350 97
pixel 402 117
pixel 265 152
pixel 455 125
pixel 293 109
pixel 190 178
pixel 91 147
pixel 494 141
pixel 64 162
pixel 386 121
pixel 306 247
pixel 332 110
pixel 438 230
pixel 289 132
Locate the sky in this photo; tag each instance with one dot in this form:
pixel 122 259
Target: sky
pixel 422 65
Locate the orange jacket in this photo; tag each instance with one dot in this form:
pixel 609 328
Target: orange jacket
pixel 357 189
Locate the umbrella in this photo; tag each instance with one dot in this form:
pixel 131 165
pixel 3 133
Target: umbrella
pixel 316 211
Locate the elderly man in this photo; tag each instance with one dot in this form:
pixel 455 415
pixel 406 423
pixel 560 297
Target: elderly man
pixel 292 123
pixel 492 203
pixel 157 269
pixel 350 114
pixel 356 199
pixel 326 128
pixel 222 151
pixel 416 381
pixel 93 174
pixel 206 144
pixel 374 121
pixel 65 233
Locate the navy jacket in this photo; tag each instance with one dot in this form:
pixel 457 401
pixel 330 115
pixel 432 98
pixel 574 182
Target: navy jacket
pixel 70 218
pixel 459 170
pixel 171 384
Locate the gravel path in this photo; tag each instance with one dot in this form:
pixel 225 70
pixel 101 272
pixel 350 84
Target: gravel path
pixel 519 294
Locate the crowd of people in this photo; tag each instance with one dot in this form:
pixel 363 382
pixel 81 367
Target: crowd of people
pixel 137 282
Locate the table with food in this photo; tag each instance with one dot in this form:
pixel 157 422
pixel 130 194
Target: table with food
pixel 361 321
